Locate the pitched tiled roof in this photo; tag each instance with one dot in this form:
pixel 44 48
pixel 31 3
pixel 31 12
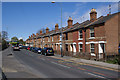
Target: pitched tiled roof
pixel 101 20
pixel 78 26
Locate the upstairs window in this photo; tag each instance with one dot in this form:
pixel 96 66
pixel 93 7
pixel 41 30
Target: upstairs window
pixel 66 36
pixel 92 33
pixel 80 34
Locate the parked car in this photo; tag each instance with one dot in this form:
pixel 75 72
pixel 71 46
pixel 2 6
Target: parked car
pixel 32 49
pixel 39 50
pixel 20 46
pixel 47 51
pixel 16 47
pixel 35 49
pixel 24 47
pixel 28 48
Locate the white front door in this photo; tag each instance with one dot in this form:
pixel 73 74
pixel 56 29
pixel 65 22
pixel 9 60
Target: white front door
pixel 101 50
pixel 74 47
pixel 71 47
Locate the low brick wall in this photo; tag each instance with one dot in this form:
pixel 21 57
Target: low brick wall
pixel 88 56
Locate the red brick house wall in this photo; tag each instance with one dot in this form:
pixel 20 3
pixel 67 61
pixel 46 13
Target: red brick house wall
pixel 111 27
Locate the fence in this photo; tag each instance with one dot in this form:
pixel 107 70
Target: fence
pixel 98 57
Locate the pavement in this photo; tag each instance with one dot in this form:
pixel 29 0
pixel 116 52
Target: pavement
pixel 27 64
pixel 92 62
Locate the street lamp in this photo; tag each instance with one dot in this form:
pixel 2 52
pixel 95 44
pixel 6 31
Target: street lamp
pixel 61 29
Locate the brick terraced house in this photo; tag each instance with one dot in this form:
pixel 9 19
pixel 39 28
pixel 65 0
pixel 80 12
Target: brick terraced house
pixel 95 36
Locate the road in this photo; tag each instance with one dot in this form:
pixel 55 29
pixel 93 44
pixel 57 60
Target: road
pixel 49 67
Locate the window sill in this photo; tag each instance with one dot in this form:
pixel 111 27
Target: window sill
pixel 80 39
pixel 93 54
pixel 92 38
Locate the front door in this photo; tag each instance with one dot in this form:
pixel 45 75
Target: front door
pixel 101 50
pixel 74 48
pixel 71 47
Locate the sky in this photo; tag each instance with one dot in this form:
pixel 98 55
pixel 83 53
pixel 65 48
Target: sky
pixel 22 19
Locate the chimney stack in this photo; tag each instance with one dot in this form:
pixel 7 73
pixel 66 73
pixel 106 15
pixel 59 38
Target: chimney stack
pixel 56 27
pixel 29 37
pixel 93 15
pixel 70 22
pixel 37 34
pixel 33 35
pixel 40 32
pixel 47 30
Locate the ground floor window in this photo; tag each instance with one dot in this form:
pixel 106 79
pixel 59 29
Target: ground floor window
pixel 92 48
pixel 80 47
pixel 66 47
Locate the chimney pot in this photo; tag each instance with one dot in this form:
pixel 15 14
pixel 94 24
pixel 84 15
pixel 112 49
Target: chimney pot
pixel 93 15
pixel 70 22
pixel 47 30
pixel 56 27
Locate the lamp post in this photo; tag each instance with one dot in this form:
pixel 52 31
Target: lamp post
pixel 60 29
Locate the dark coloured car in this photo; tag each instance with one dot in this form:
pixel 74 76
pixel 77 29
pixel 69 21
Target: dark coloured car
pixel 48 51
pixel 24 47
pixel 39 50
pixel 16 47
pixel 32 49
pixel 20 46
pixel 35 49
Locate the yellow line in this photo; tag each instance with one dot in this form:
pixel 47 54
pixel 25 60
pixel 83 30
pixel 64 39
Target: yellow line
pixel 88 64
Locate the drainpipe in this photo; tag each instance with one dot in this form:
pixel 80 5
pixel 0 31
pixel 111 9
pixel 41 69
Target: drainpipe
pixel 84 40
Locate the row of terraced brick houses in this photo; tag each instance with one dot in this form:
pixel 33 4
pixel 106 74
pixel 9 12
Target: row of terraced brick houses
pixel 95 36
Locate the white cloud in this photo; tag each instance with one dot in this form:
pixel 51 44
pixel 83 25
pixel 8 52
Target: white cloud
pixel 20 38
pixel 101 11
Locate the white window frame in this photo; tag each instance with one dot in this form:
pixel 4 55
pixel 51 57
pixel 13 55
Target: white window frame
pixel 52 38
pixel 60 37
pixel 91 33
pixel 79 35
pixel 43 40
pixel 92 48
pixel 48 39
pixel 80 48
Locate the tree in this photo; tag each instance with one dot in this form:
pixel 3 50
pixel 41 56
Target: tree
pixel 21 41
pixel 4 44
pixel 3 38
pixel 14 39
pixel 4 35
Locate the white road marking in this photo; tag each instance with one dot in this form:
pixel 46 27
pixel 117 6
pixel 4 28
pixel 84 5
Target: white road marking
pixel 60 64
pixel 95 75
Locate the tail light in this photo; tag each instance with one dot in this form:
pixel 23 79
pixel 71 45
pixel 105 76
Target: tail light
pixel 47 50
